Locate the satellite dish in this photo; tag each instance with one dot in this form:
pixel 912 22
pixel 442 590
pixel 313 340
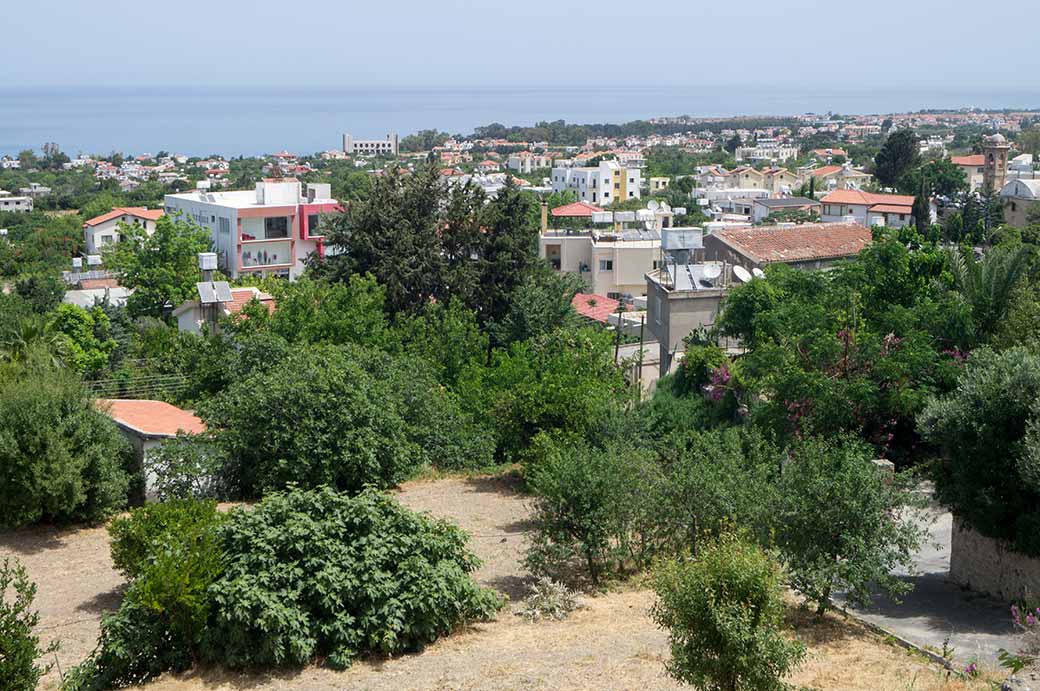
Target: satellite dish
pixel 653 205
pixel 759 273
pixel 742 274
pixel 712 271
pixel 664 207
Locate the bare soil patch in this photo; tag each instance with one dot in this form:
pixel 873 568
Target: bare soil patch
pixel 610 643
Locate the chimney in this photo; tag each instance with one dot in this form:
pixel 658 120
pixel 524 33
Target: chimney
pixel 545 215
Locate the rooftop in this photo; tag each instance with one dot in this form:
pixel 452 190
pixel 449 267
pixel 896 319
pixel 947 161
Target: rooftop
pixel 152 418
pixel 576 210
pixel 974 160
pixel 860 198
pixel 786 202
pixel 805 242
pixel 594 306
pixel 141 212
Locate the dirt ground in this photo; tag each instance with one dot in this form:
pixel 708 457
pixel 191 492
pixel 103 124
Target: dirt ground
pixel 610 643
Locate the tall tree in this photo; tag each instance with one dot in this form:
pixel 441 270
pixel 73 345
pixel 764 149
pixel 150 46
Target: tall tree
pixel 897 156
pixel 162 268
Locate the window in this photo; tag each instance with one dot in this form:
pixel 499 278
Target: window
pixel 606 264
pixel 657 264
pixel 631 181
pixel 606 194
pixel 617 185
pixel 902 217
pixel 313 225
pixel 224 226
pixel 277 227
pixel 631 194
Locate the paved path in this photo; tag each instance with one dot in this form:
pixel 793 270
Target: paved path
pixel 977 626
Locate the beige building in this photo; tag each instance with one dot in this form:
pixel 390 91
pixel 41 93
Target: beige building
pixel 611 262
pixel 974 169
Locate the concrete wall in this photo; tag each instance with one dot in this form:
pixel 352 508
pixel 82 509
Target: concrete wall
pixel 988 566
pixel 671 316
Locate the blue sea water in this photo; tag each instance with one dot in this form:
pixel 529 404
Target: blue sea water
pixel 252 120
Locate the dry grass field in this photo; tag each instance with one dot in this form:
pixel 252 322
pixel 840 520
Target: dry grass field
pixel 610 643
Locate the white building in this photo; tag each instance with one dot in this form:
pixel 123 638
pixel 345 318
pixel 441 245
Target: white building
pixel 270 230
pixel 868 209
pixel 371 147
pixel 604 184
pixel 11 203
pixel 766 150
pixel 104 229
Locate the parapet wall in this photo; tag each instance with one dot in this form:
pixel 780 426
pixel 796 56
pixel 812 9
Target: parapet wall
pixel 988 566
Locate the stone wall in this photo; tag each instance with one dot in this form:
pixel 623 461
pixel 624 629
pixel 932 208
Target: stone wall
pixel 988 566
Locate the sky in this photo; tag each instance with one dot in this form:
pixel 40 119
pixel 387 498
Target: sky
pixel 833 43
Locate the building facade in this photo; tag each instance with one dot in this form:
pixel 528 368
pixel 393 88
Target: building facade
pixel 103 230
pixel 606 183
pixel 22 204
pixel 371 147
pixel 269 231
pixel 868 209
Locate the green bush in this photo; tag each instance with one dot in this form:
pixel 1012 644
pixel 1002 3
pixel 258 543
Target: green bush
pixel 594 509
pixel 319 573
pixel 724 611
pixel 138 536
pixel 989 473
pixel 19 645
pixel 698 363
pixel 62 459
pixel 840 524
pixel 188 466
pixel 319 418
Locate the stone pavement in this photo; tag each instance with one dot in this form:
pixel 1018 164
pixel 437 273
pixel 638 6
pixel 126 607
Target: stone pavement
pixel 977 627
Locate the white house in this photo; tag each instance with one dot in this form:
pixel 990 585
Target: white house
pixel 604 184
pixel 269 231
pixel 11 203
pixel 867 209
pixel 525 162
pixel 973 166
pixel 104 229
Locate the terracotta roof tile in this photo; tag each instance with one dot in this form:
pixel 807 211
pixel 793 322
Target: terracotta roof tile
pixel 152 418
pixel 860 198
pixel 825 171
pixel 594 306
pixel 805 242
pixel 974 160
pixel 576 210
pixel 135 211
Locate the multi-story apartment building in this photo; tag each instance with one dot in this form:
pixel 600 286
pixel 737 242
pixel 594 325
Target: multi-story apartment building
pixel 270 230
pixel 371 147
pixel 604 184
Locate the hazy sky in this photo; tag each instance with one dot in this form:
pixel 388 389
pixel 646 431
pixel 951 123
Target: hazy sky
pixel 833 43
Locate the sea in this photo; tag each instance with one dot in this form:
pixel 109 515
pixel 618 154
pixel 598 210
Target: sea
pixel 244 121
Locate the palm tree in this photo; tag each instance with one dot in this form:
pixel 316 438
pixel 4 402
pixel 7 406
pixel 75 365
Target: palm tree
pixel 987 284
pixel 16 346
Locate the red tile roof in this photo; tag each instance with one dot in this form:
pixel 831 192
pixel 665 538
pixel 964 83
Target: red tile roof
pixel 135 211
pixel 152 418
pixel 594 306
pixel 859 198
pixel 825 171
pixel 94 283
pixel 830 152
pixel 892 209
pixel 241 296
pixel 766 245
pixel 576 210
pixel 974 160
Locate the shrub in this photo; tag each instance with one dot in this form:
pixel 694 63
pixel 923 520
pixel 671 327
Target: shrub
pixel 699 361
pixel 724 612
pixel 137 537
pixel 715 478
pixel 161 623
pixel 62 458
pixel 317 419
pixel 188 466
pixel 593 508
pixel 840 524
pixel 19 645
pixel 548 600
pixel 319 573
pixel 988 429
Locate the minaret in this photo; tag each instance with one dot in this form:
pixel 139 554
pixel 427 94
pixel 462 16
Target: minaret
pixel 994 173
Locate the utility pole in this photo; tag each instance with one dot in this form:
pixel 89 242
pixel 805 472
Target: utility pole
pixel 639 368
pixel 617 328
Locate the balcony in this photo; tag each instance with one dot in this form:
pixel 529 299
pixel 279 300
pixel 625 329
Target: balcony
pixel 276 253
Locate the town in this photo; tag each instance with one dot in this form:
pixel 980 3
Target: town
pixel 714 401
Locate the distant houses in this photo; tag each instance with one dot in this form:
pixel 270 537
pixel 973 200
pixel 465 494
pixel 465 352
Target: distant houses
pixel 103 230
